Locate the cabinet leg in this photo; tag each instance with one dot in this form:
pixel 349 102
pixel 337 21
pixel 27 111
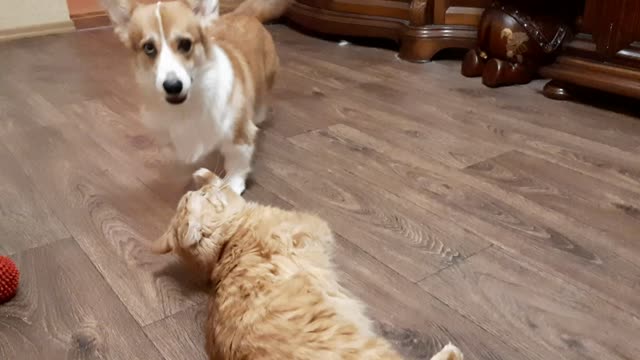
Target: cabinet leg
pixel 556 90
pixel 420 44
pixel 418 50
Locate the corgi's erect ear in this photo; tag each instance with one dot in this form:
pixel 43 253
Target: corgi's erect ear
pixel 165 243
pixel 208 10
pixel 120 14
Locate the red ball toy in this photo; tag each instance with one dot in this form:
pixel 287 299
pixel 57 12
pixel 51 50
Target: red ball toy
pixel 9 276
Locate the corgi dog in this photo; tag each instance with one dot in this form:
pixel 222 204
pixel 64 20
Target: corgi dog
pixel 205 79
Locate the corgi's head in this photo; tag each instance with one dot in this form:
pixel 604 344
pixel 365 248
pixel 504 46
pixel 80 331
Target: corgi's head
pixel 168 41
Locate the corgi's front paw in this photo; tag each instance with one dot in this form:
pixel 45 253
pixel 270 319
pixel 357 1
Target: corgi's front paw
pixel 449 352
pixel 237 184
pixel 202 177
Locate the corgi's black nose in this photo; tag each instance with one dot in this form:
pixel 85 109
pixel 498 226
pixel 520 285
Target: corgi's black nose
pixel 172 86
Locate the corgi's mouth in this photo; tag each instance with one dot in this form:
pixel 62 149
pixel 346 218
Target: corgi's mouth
pixel 176 99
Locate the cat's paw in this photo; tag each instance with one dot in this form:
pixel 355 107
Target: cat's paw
pixel 193 235
pixel 449 352
pixel 202 176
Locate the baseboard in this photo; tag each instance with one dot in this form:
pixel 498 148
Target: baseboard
pixel 91 20
pixel 84 21
pixel 37 30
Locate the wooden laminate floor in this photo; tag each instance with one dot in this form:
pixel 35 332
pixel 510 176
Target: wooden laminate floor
pixel 498 220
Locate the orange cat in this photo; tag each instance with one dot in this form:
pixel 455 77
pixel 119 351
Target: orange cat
pixel 275 293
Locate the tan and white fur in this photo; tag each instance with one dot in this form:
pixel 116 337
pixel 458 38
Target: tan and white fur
pixel 275 292
pixel 205 79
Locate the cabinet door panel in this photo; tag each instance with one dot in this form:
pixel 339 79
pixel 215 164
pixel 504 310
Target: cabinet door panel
pixel 470 3
pixel 614 24
pixel 385 8
pixel 461 12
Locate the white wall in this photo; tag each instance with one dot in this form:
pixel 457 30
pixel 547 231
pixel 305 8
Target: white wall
pixel 30 14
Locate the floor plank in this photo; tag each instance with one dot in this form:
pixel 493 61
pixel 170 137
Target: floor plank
pixel 416 323
pixel 291 117
pixel 584 258
pixel 538 313
pixel 437 87
pixel 26 221
pixel 568 192
pixel 454 148
pixel 181 335
pixel 51 319
pixel 489 123
pixel 112 216
pixel 412 241
pixel 123 135
pixel 21 108
pixel 585 121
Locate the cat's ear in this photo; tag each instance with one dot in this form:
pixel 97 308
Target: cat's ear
pixel 165 243
pixel 120 14
pixel 207 10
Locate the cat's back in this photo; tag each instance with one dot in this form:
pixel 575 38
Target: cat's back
pixel 294 319
pixel 283 300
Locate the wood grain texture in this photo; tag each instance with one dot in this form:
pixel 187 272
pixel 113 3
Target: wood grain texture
pixel 22 109
pixel 65 310
pixel 456 149
pixel 25 219
pixel 514 103
pixel 112 215
pixel 560 246
pixel 590 146
pixel 568 192
pixel 406 79
pixel 416 323
pixel 410 240
pixel 542 315
pixel 181 334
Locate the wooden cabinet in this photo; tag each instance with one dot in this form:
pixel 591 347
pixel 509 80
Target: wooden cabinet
pixel 421 27
pixel 604 55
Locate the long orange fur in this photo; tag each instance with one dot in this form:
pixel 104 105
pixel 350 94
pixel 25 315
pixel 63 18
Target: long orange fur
pixel 275 293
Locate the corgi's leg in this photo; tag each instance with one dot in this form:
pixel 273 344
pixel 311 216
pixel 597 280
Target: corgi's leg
pixel 261 113
pixel 237 163
pixel 449 352
pixel 262 108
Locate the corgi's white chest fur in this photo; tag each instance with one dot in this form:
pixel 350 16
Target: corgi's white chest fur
pixel 206 120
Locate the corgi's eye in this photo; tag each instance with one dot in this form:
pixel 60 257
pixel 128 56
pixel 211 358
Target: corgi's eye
pixel 184 45
pixel 149 49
